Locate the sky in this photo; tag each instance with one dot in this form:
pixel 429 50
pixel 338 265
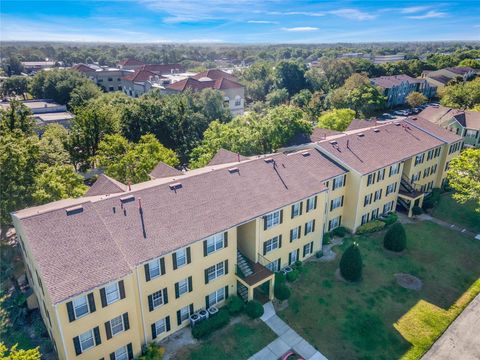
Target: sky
pixel 239 21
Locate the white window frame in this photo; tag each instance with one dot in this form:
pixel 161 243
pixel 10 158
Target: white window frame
pixel 336 203
pixel 394 169
pixel 308 246
pixel 377 195
pixel 308 227
pixel 390 189
pixel 76 306
pixel 272 219
pixel 160 326
pixel 274 266
pixel 272 244
pixel 295 233
pixel 216 296
pixel 90 338
pixel 216 271
pixel 112 326
pixel 338 182
pixel 374 214
pixel 215 242
pixel 181 254
pixel 183 287
pixel 310 203
pixel 364 219
pixel 121 353
pixel 334 223
pixel 109 291
pixel 296 209
pixel 293 257
pixel 184 313
pixel 157 299
pixel 387 207
pixel 154 268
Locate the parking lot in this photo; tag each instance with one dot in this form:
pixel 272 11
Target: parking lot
pixel 400 113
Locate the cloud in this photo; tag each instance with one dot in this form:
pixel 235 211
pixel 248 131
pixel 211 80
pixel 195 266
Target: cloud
pixel 262 22
pixel 301 29
pixel 414 9
pixel 429 15
pixel 353 14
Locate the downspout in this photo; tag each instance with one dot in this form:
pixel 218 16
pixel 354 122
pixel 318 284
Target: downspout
pixel 141 307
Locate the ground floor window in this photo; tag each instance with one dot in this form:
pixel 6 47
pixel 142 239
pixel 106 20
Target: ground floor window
pixel 308 249
pixel 274 266
pixel 334 223
pixel 216 297
pixel 365 219
pixel 121 354
pixel 292 257
pixel 374 214
pixel 388 207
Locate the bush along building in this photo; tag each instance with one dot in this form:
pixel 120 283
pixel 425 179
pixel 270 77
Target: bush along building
pixel 128 265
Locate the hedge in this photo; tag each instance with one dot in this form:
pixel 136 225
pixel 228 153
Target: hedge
pixel 339 231
pixel 254 309
pixel 281 292
pixel 235 305
pixel 292 275
pixel 211 324
pixel 417 210
pixel 389 219
pixel 370 227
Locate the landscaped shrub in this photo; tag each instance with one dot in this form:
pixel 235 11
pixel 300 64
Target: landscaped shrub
pixel 254 309
pixel 235 305
pixel 279 278
pixel 389 219
pixel 326 238
pixel 351 263
pixel 370 227
pixel 298 265
pixel 152 352
pixel 292 275
pixel 281 292
pixel 339 231
pixel 395 238
pixel 211 324
pixel 319 254
pixel 417 210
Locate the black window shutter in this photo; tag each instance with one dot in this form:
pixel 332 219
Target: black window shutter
pixel 331 205
pixel 130 351
pixel 299 232
pixel 91 302
pixel 305 231
pixel 281 216
pixel 108 330
pixel 167 320
pixel 162 266
pixel 344 180
pixel 205 248
pixel 298 253
pixel 147 272
pixel 71 313
pixel 315 202
pixel 126 321
pixel 280 241
pixel 226 292
pixel 311 247
pixel 112 356
pixel 206 276
pixel 289 258
pixel 177 291
pixel 179 318
pixel 189 257
pixel 150 303
pixel 165 296
pixel 291 216
pixel 207 302
pixel 190 284
pixel 226 267
pixel 291 235
pixel 174 260
pixel 76 344
pixel 340 221
pixel 98 339
pixel 304 250
pixel 191 309
pixel 225 239
pixel 154 331
pixel 265 248
pixel 301 208
pixel 121 286
pixel 342 200
pixel 103 297
pixel 313 226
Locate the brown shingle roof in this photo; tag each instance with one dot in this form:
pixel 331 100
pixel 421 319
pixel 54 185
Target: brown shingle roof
pixel 163 170
pixel 360 124
pixel 79 252
pixel 460 70
pixel 225 156
pixel 395 80
pixel 215 74
pixel 197 85
pixel 130 62
pixel 441 114
pixel 106 185
pixel 141 75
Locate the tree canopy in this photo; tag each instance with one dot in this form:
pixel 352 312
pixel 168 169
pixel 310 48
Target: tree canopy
pixel 337 119
pixel 464 176
pixel 463 95
pixel 58 182
pixel 415 99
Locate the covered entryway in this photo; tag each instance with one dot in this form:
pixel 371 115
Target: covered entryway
pixel 254 281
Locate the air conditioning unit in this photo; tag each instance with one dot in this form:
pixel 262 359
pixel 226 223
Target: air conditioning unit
pixel 286 270
pixel 194 319
pixel 212 310
pixel 203 314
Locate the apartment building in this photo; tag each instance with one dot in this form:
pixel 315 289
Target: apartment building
pixel 127 265
pixel 462 122
pixel 442 77
pixel 397 87
pixel 110 79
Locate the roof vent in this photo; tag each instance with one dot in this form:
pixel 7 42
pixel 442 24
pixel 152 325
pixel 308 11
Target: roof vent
pixel 175 186
pixel 74 210
pixel 414 118
pixel 397 124
pixel 305 153
pixel 333 142
pixel 361 135
pixel 268 160
pixel 127 199
pixel 233 170
pixel 376 130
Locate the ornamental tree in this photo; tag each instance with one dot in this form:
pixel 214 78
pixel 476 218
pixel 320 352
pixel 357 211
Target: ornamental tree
pixel 351 264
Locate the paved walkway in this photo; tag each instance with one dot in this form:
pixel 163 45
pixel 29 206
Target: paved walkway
pixel 406 220
pixel 287 339
pixel 461 339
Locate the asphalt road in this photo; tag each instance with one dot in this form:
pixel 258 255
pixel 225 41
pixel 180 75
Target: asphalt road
pixel 461 341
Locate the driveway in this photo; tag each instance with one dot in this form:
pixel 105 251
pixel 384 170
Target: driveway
pixel 461 340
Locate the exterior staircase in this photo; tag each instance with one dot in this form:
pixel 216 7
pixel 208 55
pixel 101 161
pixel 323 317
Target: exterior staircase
pixel 244 265
pixel 242 291
pixel 403 203
pixel 406 186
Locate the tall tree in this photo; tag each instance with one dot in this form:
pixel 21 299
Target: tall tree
pixel 16 117
pixel 15 85
pixel 12 66
pixel 81 94
pixel 464 176
pixel 52 149
pixel 336 119
pixel 461 96
pixel 416 98
pixel 290 75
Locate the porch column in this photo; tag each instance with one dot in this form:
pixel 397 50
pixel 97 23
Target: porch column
pixel 420 203
pixel 410 207
pixel 270 288
pixel 250 293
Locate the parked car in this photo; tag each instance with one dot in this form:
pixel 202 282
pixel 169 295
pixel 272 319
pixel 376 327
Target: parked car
pixel 399 113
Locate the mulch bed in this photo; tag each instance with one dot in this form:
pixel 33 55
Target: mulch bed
pixel 408 281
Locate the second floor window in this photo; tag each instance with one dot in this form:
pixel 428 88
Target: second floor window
pixel 116 325
pixel 215 243
pixel 273 219
pixel 87 340
pixel 336 203
pixel 309 227
pixel 390 189
pixel 157 299
pixel 272 244
pixel 80 306
pixel 367 200
pixel 311 203
pixel 182 287
pixel 112 293
pixel 378 195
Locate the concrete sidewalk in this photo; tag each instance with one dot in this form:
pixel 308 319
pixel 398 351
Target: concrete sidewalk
pixel 287 339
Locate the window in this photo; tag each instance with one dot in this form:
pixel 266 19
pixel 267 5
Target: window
pixel 334 223
pixel 296 209
pixel 309 227
pixel 374 214
pixel 415 177
pixel 181 257
pixel 339 182
pixel 295 233
pixel 387 207
pixel 238 101
pixel 434 169
pixel 110 79
pixel 86 340
pixel 367 200
pixel 307 249
pixel 157 299
pixel 80 307
pixel 216 297
pixel 215 271
pixel 446 165
pixel 116 325
pixel 292 257
pixel 184 313
pixel 419 159
pixel 426 172
pixel 394 169
pixel 381 175
pixel 437 152
pixel 365 218
pixel 111 88
pixel 391 188
pixel 121 354
pixel 112 293
pixel 119 88
pixel 274 266
pixel 336 203
pixel 272 219
pixel 378 195
pixel 183 287
pixel 370 179
pixel 311 203
pixel 160 326
pixel 270 245
pixel 154 268
pixel 215 243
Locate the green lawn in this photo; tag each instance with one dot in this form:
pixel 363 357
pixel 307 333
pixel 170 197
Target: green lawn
pixel 357 321
pixel 237 341
pixel 461 214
